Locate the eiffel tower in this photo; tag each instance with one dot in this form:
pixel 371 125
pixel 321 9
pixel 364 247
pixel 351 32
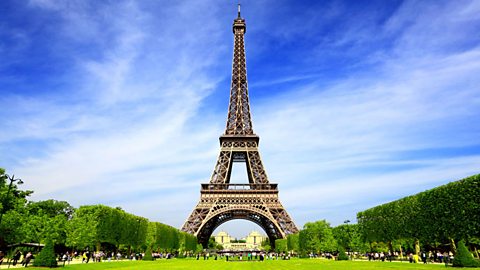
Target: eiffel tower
pixel 222 201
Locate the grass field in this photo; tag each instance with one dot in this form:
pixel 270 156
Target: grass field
pixel 300 264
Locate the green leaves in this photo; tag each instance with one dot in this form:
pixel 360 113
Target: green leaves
pixel 81 230
pixel 94 224
pixel 167 237
pixel 317 237
pixel 24 221
pixel 88 226
pixel 46 257
pixel 436 215
pixel 464 258
pixel 293 242
pixel 281 245
pixel 349 236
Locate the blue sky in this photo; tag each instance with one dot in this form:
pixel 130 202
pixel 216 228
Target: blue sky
pixel 357 103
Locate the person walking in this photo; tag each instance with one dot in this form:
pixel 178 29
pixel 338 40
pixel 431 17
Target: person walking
pixel 16 257
pixel 424 257
pixel 27 259
pixel 2 255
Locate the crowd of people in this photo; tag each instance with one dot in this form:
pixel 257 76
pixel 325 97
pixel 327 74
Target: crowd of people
pixel 425 257
pixel 24 258
pixel 18 257
pixel 243 256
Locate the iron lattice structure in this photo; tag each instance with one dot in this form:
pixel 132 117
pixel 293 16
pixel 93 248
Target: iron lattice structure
pixel 220 200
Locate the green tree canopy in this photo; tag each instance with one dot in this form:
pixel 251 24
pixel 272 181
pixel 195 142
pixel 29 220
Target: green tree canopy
pixel 12 210
pixel 317 237
pixel 281 245
pixel 292 242
pixel 440 215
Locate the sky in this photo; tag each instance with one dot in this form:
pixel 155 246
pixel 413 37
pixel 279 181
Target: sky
pixel 357 103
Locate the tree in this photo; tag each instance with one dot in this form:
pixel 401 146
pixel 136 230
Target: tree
pixel 148 254
pixel 211 243
pixel 82 229
pixel 343 235
pixel 46 220
pixel 93 225
pixel 266 245
pixel 350 237
pixel 342 256
pixel 317 237
pixel 281 245
pixel 464 258
pixel 51 208
pixel 12 210
pixel 292 242
pixel 190 242
pixel 88 226
pixel 46 257
pixel 150 239
pixel 440 215
pixel 169 238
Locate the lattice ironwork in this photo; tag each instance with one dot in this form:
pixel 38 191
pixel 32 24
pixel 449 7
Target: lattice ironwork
pixel 239 121
pixel 255 168
pixel 223 168
pixel 220 200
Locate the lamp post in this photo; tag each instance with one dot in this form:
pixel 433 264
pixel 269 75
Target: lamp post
pixel 349 237
pixel 12 180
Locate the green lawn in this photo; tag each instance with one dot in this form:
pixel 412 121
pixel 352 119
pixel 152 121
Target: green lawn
pixel 266 265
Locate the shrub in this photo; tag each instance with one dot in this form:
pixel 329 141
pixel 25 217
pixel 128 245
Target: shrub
pixel 46 257
pixel 148 254
pixel 342 256
pixel 464 258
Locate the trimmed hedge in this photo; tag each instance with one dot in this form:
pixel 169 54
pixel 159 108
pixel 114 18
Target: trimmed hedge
pixel 342 256
pixel 148 254
pixel 446 213
pixel 46 257
pixel 464 258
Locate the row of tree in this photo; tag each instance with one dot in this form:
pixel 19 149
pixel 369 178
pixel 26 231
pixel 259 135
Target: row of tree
pixel 319 237
pixel 443 215
pixel 93 226
pixel 316 237
pixel 437 219
pixel 99 224
pixel 440 216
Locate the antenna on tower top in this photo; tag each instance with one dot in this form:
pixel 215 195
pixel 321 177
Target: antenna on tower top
pixel 239 9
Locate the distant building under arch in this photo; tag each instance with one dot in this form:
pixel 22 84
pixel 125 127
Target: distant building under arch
pixel 253 241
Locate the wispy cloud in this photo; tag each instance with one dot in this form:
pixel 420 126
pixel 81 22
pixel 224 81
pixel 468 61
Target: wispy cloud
pixel 342 145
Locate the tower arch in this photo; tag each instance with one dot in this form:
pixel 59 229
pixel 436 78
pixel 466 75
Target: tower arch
pixel 227 214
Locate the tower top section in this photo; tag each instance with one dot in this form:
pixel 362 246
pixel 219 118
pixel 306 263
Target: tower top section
pixel 239 23
pixel 239 122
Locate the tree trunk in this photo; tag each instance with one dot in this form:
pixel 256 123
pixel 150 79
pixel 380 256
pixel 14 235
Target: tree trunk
pixel 454 247
pixel 401 253
pixel 98 246
pixel 390 247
